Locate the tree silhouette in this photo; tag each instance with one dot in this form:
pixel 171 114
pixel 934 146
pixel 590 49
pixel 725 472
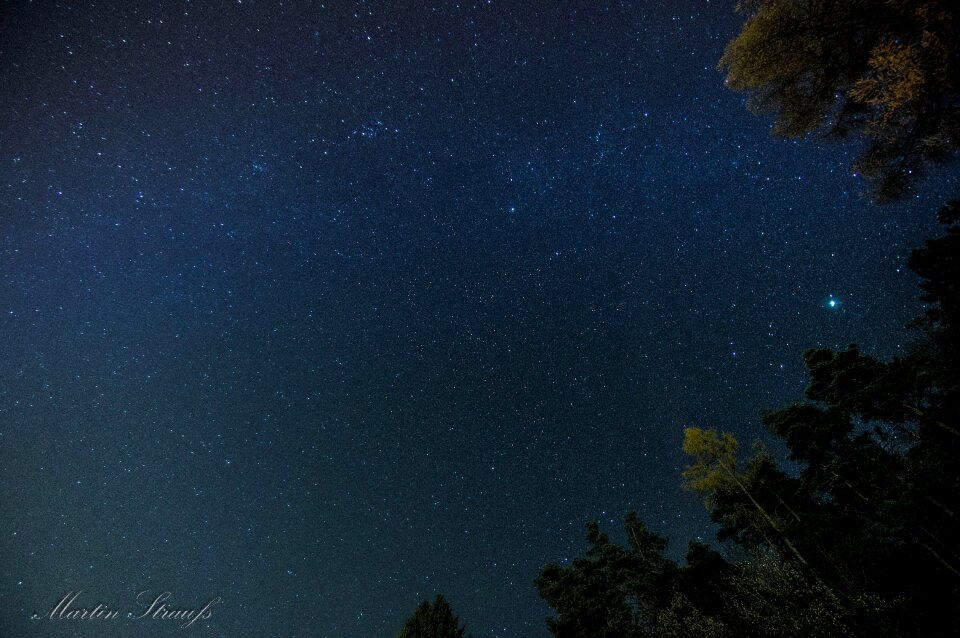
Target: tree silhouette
pixel 616 591
pixel 857 536
pixel 432 620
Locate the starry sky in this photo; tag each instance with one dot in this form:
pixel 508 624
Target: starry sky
pixel 326 308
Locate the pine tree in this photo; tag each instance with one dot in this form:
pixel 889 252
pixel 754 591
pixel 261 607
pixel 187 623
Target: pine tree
pixel 615 591
pixel 432 620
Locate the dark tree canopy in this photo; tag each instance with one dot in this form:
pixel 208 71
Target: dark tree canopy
pixel 857 537
pixel 432 620
pixel 615 591
pixel 885 70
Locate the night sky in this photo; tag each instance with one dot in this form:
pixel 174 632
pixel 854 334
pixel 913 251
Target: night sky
pixel 325 309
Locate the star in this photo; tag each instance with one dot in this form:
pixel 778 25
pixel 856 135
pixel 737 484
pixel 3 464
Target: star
pixel 832 303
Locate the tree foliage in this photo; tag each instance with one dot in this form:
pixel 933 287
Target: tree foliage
pixel 885 70
pixel 432 620
pixel 615 591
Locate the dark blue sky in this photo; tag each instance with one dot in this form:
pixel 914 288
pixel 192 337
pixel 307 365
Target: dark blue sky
pixel 328 308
